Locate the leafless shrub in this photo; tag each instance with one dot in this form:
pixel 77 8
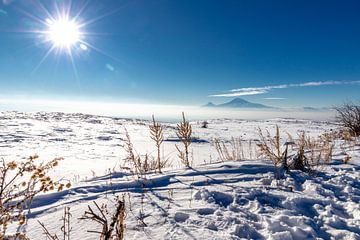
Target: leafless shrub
pixel 184 132
pixel 19 184
pixel 111 229
pixel 156 131
pixel 349 117
pixel 229 152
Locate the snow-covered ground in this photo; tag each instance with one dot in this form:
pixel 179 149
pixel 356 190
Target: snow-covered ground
pixel 213 200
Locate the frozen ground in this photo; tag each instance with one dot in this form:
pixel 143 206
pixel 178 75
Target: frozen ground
pixel 213 200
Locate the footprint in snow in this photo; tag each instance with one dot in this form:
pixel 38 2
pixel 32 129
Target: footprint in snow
pixel 181 217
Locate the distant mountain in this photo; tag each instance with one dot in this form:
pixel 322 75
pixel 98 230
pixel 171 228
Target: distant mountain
pixel 310 109
pixel 313 109
pixel 237 103
pixel 209 104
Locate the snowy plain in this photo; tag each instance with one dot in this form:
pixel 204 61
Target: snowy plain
pixel 212 200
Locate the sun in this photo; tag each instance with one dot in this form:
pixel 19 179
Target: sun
pixel 62 29
pixel 63 33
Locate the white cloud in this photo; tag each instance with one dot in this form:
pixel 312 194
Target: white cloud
pixel 266 89
pixel 274 98
pixel 236 94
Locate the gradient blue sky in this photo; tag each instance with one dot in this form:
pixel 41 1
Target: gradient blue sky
pixel 182 52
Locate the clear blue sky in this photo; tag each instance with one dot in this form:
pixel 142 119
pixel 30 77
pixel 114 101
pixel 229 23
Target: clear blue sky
pixel 184 51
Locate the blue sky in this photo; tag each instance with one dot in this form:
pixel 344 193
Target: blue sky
pixel 187 52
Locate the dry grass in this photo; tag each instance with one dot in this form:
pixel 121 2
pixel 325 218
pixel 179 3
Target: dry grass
pixel 184 131
pixel 348 143
pixel 139 165
pixel 300 161
pixel 270 147
pixel 156 134
pixel 310 152
pixel 19 184
pixel 236 149
pixel 229 152
pixel 315 151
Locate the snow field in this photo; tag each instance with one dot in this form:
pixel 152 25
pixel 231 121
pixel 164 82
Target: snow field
pixel 229 200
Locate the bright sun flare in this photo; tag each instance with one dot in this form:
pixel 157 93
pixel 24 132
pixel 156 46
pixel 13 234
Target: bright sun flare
pixel 63 33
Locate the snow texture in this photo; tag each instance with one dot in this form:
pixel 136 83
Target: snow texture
pixel 212 200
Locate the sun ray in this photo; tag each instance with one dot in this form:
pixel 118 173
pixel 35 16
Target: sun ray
pixel 47 12
pixel 82 9
pixel 31 16
pixel 74 69
pixel 43 59
pixel 73 63
pixel 100 51
pixel 93 20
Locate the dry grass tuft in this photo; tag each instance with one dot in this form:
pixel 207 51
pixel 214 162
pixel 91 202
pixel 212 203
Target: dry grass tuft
pixel 310 152
pixel 270 147
pixel 315 151
pixel 232 152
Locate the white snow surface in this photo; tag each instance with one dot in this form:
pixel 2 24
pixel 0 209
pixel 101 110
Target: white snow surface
pixel 212 200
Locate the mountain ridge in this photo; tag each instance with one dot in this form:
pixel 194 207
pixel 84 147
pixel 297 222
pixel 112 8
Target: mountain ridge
pixel 237 103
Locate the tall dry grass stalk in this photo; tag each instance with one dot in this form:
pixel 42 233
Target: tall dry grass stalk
pixel 184 132
pixel 139 165
pixel 19 184
pixel 156 131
